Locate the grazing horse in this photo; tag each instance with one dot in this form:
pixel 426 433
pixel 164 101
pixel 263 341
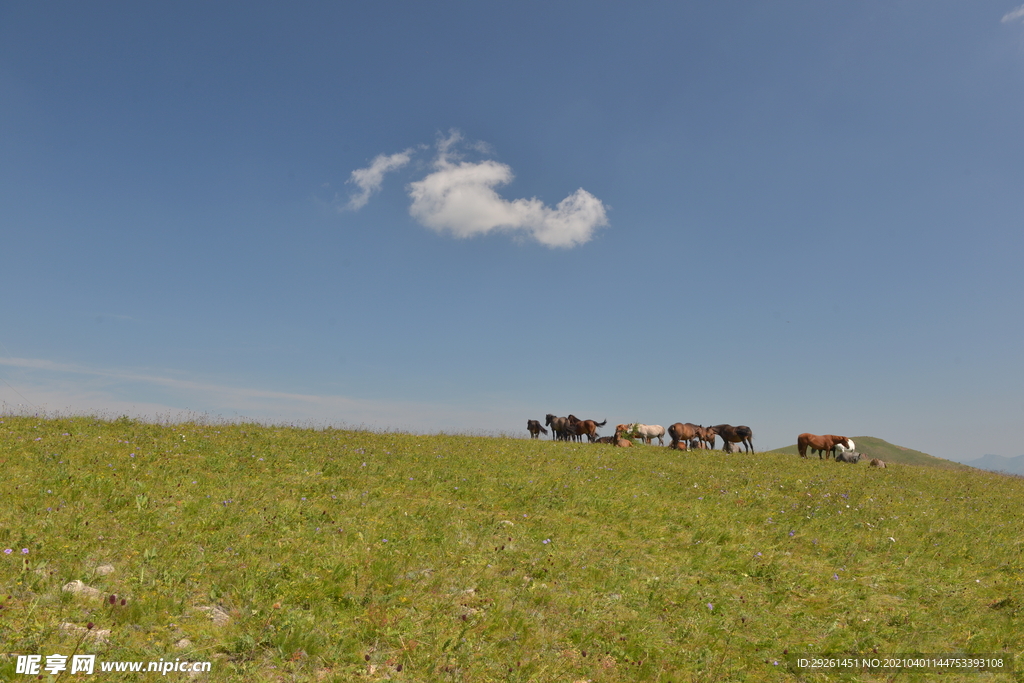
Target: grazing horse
pixel 822 444
pixel 849 456
pixel 740 434
pixel 559 426
pixel 650 432
pixel 680 432
pixel 535 429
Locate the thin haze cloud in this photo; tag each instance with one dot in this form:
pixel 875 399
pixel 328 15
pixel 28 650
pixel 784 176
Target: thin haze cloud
pixel 50 390
pixel 370 179
pixel 1015 14
pixel 459 198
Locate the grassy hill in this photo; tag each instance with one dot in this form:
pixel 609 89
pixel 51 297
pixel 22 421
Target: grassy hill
pixel 873 447
pixel 287 554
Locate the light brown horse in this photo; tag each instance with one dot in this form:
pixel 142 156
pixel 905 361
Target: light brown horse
pixel 822 444
pixel 707 437
pixel 682 433
pixel 627 431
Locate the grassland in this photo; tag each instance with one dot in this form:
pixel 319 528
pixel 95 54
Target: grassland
pixel 285 554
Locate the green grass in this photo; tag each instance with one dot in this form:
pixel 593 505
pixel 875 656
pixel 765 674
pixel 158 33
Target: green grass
pixel 343 555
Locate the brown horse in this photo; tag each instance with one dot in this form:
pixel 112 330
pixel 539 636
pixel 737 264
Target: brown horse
pixel 535 429
pixel 570 428
pixel 682 433
pixel 707 437
pixel 740 434
pixel 588 428
pixel 627 431
pixel 822 444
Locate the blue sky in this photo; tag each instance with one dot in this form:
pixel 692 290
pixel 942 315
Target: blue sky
pixel 798 216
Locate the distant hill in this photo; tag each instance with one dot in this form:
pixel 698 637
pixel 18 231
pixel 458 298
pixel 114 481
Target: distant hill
pixel 999 463
pixel 873 447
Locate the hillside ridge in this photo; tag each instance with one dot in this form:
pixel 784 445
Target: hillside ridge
pixel 874 447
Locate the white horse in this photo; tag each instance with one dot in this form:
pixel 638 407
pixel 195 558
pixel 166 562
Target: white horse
pixel 840 448
pixel 649 432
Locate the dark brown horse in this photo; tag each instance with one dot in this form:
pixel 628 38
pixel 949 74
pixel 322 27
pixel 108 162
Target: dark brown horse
pixel 683 433
pixel 740 434
pixel 822 444
pixel 535 429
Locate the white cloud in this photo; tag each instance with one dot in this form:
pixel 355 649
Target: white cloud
pixel 369 179
pixel 1014 14
pixel 459 198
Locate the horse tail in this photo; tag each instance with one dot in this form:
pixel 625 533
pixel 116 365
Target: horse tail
pixel 602 424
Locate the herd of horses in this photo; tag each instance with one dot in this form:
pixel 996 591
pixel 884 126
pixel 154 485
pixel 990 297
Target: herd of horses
pixel 685 436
